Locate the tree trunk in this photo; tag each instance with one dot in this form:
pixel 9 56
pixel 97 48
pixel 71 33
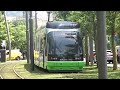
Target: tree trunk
pixel 101 45
pixel 91 49
pixel 86 50
pixel 95 40
pixel 8 33
pixel 83 40
pixel 113 46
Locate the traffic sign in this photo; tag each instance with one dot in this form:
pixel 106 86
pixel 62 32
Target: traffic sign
pixel 3 44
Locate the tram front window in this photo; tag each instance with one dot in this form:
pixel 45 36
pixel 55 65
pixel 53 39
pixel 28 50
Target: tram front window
pixel 64 46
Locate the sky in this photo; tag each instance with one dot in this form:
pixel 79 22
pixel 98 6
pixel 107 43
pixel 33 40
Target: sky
pixel 40 14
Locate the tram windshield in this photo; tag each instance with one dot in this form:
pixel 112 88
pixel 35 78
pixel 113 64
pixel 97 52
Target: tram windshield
pixel 64 45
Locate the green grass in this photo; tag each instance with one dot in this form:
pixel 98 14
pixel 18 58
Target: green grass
pixel 89 72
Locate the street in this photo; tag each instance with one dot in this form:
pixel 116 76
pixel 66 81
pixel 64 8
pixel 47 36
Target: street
pixel 111 65
pixel 108 64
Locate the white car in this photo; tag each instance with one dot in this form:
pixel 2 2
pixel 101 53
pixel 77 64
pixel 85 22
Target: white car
pixel 109 56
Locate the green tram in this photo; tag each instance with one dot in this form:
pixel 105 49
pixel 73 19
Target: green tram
pixel 58 47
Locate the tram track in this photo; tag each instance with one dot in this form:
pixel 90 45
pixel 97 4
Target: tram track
pixel 7 71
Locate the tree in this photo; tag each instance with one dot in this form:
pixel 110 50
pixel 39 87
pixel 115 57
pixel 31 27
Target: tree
pixel 8 34
pixel 112 15
pixel 87 23
pixel 101 34
pixel 3 34
pixel 18 31
pixel 61 15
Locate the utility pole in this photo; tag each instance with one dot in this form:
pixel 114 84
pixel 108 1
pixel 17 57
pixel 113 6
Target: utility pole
pixel 24 14
pixel 31 41
pixel 48 12
pixel 36 26
pixel 101 45
pixel 27 39
pixel 8 33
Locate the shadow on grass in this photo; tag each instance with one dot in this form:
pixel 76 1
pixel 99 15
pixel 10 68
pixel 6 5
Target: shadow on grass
pixel 90 69
pixel 44 71
pixel 79 76
pixel 89 72
pixel 36 69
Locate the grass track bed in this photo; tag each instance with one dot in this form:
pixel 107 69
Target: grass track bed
pixel 89 72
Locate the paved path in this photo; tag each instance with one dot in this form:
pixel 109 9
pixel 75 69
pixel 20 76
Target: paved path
pixel 111 65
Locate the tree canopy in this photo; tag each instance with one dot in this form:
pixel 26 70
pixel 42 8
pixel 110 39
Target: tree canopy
pixel 17 32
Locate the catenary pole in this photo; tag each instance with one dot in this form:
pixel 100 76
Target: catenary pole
pixel 36 26
pixel 27 38
pixel 31 41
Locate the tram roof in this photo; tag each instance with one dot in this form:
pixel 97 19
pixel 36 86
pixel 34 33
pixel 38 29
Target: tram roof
pixel 62 25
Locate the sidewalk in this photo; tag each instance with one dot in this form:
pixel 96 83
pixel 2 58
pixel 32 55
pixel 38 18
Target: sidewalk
pixel 111 65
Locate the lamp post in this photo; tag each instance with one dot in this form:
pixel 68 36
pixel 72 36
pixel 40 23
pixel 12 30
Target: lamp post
pixel 27 38
pixel 48 12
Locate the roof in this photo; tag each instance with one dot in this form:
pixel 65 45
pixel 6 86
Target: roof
pixel 62 25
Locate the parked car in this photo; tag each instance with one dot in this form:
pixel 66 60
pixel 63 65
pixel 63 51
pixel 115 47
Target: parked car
pixel 15 54
pixel 118 53
pixel 109 56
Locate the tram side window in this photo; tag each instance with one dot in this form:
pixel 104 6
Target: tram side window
pixel 39 44
pixel 45 44
pixel 50 42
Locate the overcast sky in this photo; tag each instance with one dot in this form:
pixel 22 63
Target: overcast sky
pixel 40 14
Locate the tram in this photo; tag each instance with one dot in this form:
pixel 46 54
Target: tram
pixel 58 47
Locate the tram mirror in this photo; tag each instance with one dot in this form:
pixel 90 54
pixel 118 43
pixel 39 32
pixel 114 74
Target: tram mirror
pixel 44 38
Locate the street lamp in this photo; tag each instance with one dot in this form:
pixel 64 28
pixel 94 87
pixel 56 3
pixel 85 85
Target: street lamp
pixel 48 12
